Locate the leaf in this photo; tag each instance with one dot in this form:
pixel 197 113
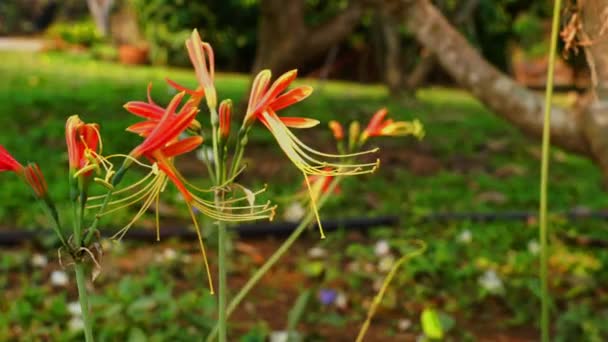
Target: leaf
pixel 431 325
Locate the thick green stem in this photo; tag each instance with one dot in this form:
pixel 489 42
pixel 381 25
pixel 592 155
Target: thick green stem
pixel 84 300
pixel 223 288
pixel 257 276
pixel 544 176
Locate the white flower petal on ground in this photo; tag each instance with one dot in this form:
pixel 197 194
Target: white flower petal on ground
pixel 491 282
pixel 59 278
pixel 386 263
pixel 341 301
pixel 533 247
pixel 74 309
pixel 382 248
pixel 294 212
pixel 76 324
pixel 317 253
pixel 279 336
pixel 404 324
pixel 465 237
pixel 39 260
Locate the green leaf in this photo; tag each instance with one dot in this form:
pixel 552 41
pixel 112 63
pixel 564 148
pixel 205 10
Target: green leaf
pixel 431 325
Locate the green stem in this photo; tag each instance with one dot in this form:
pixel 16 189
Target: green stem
pixel 95 223
pixel 84 300
pixel 544 175
pixel 257 276
pixel 222 261
pixel 239 150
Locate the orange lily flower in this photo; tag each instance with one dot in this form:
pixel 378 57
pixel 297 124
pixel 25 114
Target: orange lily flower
pixel 263 99
pixel 378 126
pixel 82 141
pixel 8 163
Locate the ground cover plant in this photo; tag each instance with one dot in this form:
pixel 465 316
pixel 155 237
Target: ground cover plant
pixel 488 167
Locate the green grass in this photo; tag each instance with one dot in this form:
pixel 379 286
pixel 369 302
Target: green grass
pixel 470 160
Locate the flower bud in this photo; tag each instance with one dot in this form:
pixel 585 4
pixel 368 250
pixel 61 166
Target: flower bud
pixel 337 130
pixel 34 177
pixel 225 111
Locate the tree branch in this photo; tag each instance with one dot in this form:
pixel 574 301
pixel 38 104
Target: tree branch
pixel 497 91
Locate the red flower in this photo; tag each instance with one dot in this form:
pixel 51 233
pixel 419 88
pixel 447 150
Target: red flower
pixel 8 163
pixel 270 100
pixel 153 112
pixel 82 141
pixel 166 130
pixel 378 126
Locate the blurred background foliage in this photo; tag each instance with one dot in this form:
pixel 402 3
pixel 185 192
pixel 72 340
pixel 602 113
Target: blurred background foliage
pixel 231 27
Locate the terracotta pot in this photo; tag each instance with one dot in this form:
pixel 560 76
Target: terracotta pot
pixel 132 54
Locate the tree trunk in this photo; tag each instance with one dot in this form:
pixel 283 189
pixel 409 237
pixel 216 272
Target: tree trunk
pixel 100 11
pixel 393 70
pixel 581 130
pixel 285 41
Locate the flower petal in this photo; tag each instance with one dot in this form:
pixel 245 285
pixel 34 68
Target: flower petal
pixel 293 96
pixel 374 124
pixel 145 110
pixel 142 128
pixel 199 92
pixel 277 87
pixel 183 146
pixel 258 87
pixel 7 162
pixel 296 122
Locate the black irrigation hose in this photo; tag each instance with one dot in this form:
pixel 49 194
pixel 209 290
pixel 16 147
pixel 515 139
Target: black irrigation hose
pixel 261 229
pixel 249 230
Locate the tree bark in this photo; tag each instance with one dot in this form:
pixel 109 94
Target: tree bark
pixel 100 11
pixel 581 130
pixel 286 41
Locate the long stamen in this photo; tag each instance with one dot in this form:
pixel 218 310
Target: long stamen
pixel 202 246
pixel 127 189
pixel 313 204
pixel 299 157
pixel 152 195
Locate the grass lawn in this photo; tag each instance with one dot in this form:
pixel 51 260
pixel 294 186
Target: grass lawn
pixel 469 161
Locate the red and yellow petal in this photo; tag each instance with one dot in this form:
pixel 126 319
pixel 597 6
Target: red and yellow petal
pixel 258 88
pixel 293 96
pixel 376 121
pixel 297 122
pixel 278 86
pixel 167 168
